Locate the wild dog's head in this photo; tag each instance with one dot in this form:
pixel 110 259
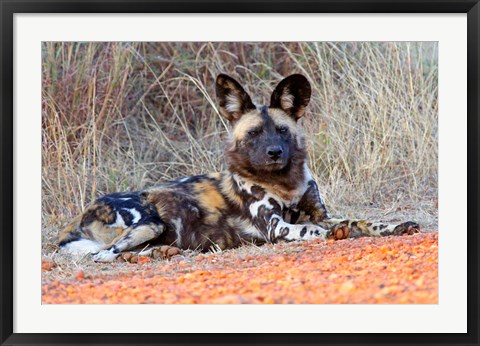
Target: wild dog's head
pixel 266 139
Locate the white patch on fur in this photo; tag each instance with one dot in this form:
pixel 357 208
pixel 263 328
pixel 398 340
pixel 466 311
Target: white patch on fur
pixel 232 104
pixel 105 256
pixel 81 247
pixel 136 215
pixel 183 180
pixel 294 231
pixel 263 202
pixel 178 229
pixel 119 222
pixel 246 185
pixel 282 223
pixel 242 184
pixel 125 198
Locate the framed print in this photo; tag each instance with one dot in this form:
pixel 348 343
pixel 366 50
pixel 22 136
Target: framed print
pixel 250 172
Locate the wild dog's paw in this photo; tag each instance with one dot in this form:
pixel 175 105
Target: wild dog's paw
pixel 166 252
pixel 129 257
pixel 133 257
pixel 407 228
pixel 162 252
pixel 104 256
pixel 339 231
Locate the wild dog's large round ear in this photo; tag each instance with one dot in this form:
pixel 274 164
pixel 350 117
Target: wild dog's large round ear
pixel 233 100
pixel 292 95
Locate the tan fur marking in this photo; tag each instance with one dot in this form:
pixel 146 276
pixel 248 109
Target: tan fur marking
pixel 226 83
pixel 210 199
pixel 278 190
pixel 101 233
pixel 246 122
pixel 144 233
pixel 138 235
pixel 162 199
pixel 228 190
pixel 71 227
pixel 120 233
pixel 300 112
pixel 103 212
pixel 280 118
pixel 162 210
pixel 216 176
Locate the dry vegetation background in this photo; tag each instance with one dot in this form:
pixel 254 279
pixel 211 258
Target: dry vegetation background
pixel 122 116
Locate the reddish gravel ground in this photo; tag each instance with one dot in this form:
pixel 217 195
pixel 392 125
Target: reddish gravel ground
pixel 365 270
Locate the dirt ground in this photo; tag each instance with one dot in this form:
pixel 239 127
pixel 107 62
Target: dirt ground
pixel 393 270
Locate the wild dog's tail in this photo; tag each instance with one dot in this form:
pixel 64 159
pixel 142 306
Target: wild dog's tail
pixel 72 239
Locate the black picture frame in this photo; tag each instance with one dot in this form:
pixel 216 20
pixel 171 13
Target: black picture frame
pixel 8 8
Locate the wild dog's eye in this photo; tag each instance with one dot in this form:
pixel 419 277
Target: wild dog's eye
pixel 253 132
pixel 282 129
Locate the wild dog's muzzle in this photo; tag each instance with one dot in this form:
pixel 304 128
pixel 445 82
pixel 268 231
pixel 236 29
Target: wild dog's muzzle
pixel 274 152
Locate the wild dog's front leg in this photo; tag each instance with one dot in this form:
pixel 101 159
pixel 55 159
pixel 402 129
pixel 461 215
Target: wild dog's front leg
pixel 156 252
pixel 131 238
pixel 277 229
pixel 375 229
pixel 311 209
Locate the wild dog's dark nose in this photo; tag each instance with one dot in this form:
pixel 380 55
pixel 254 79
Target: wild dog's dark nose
pixel 274 151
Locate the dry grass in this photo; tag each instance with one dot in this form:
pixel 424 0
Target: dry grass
pixel 121 116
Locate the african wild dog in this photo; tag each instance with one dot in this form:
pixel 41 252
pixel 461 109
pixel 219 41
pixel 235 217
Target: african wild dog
pixel 266 195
